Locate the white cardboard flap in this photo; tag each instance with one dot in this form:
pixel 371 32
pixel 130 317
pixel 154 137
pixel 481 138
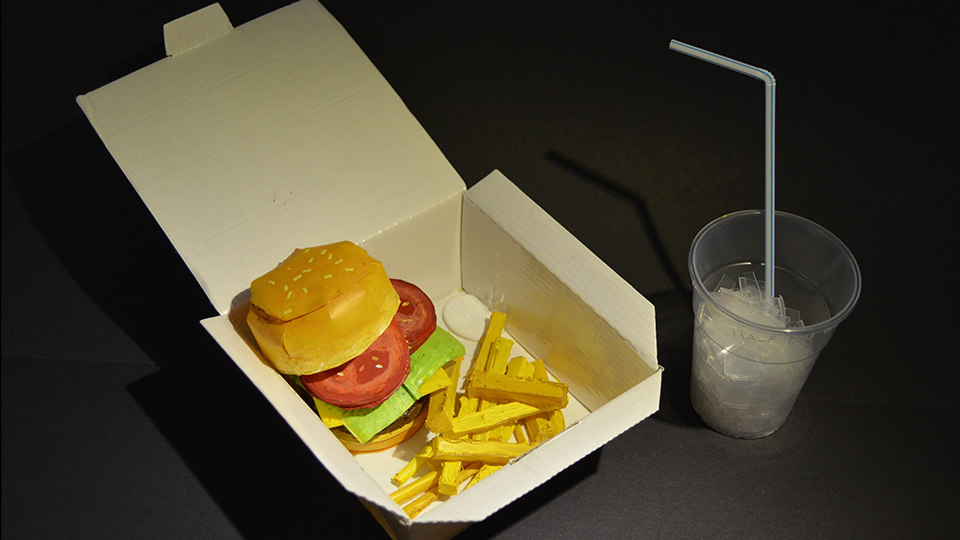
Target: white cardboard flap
pixel 280 129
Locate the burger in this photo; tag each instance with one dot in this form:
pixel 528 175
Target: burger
pixel 356 343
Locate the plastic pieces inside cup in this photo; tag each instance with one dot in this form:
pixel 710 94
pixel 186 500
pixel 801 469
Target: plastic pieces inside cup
pixel 748 298
pixel 745 380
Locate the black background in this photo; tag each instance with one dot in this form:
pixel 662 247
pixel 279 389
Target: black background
pixel 123 419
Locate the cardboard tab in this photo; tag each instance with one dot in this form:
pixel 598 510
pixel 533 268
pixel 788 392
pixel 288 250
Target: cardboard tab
pixel 193 30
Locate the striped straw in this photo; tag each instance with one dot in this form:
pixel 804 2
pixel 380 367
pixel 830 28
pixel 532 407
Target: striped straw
pixel 771 85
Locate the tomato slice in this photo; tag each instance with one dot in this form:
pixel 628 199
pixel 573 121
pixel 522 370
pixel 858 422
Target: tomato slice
pixel 369 379
pixel 416 316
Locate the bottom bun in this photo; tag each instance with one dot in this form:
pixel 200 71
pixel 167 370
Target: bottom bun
pixel 390 437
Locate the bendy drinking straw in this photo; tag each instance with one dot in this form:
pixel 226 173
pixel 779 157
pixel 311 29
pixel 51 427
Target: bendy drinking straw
pixel 770 83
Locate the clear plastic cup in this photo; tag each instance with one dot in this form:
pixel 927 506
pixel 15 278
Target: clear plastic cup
pixel 746 375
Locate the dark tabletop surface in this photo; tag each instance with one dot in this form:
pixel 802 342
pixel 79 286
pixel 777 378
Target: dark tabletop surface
pixel 123 419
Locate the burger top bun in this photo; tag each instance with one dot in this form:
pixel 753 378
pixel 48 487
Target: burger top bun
pixel 321 307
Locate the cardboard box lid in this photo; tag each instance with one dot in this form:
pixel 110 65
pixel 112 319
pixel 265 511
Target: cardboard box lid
pixel 280 128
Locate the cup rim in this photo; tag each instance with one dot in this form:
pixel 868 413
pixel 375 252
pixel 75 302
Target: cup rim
pixel 700 288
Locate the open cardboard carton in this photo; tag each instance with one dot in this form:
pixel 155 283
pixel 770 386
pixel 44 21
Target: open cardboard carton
pixel 248 142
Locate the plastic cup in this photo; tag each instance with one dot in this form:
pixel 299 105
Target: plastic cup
pixel 746 376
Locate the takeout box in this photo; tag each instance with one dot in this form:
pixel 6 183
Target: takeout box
pixel 248 142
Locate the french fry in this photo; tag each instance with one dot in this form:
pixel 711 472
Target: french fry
pixel 435 407
pixel 450 470
pixel 499 356
pixel 540 393
pixel 540 370
pixel 467 406
pixel 470 471
pixel 497 322
pixel 538 426
pixel 482 451
pixel 414 465
pixel 449 481
pixel 496 363
pixel 496 415
pixel 519 367
pixel 484 472
pixel 519 434
pixel 516 367
pixel 556 419
pixel 441 404
pixel 413 509
pixel 465 472
pixel 415 488
pixel 557 422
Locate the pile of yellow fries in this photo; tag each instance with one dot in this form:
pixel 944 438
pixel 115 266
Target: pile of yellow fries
pixel 508 406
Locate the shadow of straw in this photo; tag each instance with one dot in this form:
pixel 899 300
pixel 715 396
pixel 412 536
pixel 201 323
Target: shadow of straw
pixel 649 228
pixel 673 307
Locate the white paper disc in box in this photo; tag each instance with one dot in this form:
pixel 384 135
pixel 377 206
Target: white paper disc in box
pixel 466 317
